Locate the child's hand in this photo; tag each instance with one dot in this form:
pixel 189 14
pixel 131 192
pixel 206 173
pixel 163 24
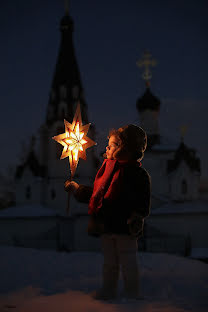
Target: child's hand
pixel 136 224
pixel 71 186
pixel 133 217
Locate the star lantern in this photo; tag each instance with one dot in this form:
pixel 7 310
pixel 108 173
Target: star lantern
pixel 74 140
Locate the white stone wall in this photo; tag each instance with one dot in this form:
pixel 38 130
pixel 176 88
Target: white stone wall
pixel 25 231
pixel 181 175
pixel 22 184
pixel 194 225
pixel 156 165
pixel 82 241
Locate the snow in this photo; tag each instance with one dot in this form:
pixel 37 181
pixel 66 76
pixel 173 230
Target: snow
pixel 37 281
pixel 27 210
pixel 197 206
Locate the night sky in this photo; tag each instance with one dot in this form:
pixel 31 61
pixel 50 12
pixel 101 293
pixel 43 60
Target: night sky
pixel 109 37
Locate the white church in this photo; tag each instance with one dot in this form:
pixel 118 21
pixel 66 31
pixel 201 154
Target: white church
pixel 178 219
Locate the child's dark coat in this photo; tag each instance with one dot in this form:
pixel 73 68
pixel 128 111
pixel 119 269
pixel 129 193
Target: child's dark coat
pixel 134 197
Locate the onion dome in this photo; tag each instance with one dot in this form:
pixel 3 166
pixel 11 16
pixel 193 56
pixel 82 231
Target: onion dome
pixel 188 155
pixel 148 102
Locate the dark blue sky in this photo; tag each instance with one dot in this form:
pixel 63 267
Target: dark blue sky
pixel 109 37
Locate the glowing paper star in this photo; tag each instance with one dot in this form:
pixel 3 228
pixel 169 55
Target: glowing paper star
pixel 74 140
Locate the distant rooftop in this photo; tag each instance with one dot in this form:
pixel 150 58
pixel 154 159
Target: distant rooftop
pixel 30 210
pixel 165 145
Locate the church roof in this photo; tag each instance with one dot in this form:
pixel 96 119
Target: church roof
pixel 183 153
pixel 66 84
pixel 148 101
pixel 27 210
pixel 33 164
pixel 165 145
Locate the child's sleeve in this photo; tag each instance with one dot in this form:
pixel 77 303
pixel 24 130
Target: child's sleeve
pixel 83 193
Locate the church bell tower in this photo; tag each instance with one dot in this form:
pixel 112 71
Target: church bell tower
pixel 66 91
pixel 148 105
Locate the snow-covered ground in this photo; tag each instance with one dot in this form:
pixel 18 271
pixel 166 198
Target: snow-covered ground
pixel 36 281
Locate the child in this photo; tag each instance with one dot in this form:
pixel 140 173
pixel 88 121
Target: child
pixel 118 203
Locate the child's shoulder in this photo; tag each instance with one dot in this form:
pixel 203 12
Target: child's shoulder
pixel 144 171
pixel 138 170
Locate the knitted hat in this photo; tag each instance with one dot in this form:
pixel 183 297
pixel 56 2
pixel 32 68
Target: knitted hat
pixel 133 142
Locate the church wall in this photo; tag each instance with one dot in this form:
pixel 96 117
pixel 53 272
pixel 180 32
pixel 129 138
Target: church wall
pixel 25 231
pixel 28 188
pixel 59 202
pixel 82 241
pixel 156 165
pixel 194 225
pixel 29 232
pixel 184 183
pixel 56 195
pixel 194 187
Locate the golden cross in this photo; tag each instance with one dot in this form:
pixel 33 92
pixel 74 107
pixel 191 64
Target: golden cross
pixel 183 130
pixel 146 61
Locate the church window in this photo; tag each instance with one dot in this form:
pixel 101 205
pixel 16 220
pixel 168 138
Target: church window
pixel 53 194
pixel 28 192
pixel 63 92
pixel 184 187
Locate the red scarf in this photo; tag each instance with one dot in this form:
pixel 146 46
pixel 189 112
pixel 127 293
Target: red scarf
pixel 107 183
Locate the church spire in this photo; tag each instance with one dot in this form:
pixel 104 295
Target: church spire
pixel 67 87
pixel 148 105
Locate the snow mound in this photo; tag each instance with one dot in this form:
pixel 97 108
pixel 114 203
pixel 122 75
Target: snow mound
pixel 34 280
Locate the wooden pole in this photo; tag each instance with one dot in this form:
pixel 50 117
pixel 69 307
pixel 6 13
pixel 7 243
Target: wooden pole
pixel 68 198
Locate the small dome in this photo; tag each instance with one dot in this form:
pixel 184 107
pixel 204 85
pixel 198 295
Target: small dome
pixel 186 154
pixel 148 101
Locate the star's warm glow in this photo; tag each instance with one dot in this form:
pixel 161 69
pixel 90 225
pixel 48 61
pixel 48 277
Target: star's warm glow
pixel 74 140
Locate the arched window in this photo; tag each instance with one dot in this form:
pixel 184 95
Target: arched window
pixel 184 187
pixel 28 192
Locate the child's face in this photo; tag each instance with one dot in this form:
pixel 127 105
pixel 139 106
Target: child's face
pixel 113 145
